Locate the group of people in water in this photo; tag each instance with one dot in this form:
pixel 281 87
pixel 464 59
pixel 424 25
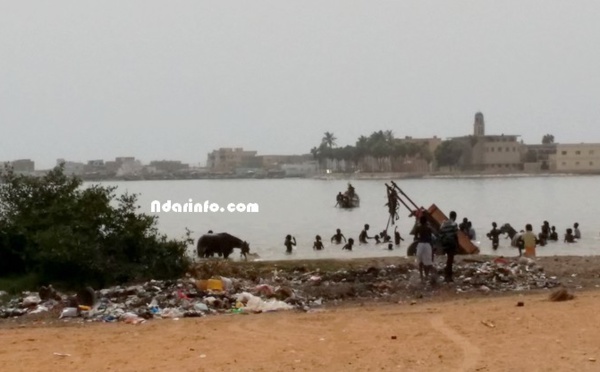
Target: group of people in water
pixel 363 237
pixel 547 233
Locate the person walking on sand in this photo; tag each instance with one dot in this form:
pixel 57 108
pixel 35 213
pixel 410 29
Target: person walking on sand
pixel 289 242
pixel 449 241
pixel 423 234
pixel 362 238
pixel 529 240
pixel 338 236
pixel 318 244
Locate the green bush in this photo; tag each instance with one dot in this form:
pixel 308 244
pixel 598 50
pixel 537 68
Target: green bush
pixel 55 229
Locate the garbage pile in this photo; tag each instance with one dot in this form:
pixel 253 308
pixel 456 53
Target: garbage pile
pixel 156 299
pixel 501 275
pixel 296 288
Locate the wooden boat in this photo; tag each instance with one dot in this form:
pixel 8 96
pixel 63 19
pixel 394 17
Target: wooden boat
pixel 348 199
pixel 347 202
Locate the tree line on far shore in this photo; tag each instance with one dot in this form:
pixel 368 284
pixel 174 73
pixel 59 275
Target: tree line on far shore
pixel 382 151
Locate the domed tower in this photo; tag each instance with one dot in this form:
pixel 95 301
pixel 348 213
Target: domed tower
pixel 479 125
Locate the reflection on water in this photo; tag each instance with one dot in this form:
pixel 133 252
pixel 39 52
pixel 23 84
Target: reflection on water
pixel 305 208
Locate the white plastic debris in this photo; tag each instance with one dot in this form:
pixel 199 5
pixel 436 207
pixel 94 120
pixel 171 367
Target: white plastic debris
pixel 254 303
pixel 69 312
pixel 31 300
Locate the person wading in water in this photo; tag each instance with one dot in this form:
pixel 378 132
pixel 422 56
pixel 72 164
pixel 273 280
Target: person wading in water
pixel 337 237
pixel 362 238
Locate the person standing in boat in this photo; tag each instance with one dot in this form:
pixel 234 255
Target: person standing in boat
pixel 362 238
pixel 350 191
pixel 337 237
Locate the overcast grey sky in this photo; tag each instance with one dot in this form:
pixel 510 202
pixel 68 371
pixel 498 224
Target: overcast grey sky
pixel 175 79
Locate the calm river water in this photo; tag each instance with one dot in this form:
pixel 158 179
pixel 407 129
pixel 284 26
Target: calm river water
pixel 305 208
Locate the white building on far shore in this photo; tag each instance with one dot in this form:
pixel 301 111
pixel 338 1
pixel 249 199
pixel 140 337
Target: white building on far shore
pixel 577 157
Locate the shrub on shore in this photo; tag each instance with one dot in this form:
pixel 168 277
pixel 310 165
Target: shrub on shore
pixel 56 230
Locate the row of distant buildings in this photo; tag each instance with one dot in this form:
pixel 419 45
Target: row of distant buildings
pixel 221 163
pixel 506 153
pixel 120 167
pixel 242 162
pixel 480 152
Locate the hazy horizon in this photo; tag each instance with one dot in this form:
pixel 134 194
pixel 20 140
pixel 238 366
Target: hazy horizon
pixel 176 80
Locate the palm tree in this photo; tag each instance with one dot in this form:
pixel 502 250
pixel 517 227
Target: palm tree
pixel 329 139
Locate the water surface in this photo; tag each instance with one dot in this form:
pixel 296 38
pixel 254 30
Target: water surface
pixel 305 208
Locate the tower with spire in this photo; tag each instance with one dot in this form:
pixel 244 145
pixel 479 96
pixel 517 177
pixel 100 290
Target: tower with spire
pixel 479 125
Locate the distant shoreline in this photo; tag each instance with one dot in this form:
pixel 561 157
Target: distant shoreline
pixel 351 176
pixel 386 176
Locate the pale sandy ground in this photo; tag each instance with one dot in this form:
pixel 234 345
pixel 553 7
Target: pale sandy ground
pixel 434 336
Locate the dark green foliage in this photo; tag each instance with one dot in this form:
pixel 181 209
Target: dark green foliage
pixel 547 139
pixel 531 156
pixel 379 145
pixel 60 232
pixel 449 153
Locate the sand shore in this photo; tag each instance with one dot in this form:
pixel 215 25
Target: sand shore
pixel 442 330
pixel 449 335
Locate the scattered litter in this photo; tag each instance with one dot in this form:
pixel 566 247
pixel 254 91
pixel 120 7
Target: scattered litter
pixel 274 290
pixel 62 355
pixel 69 312
pixel 487 323
pixel 520 303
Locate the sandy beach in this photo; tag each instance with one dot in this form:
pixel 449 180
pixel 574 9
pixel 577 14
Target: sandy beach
pixel 448 335
pixel 434 330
